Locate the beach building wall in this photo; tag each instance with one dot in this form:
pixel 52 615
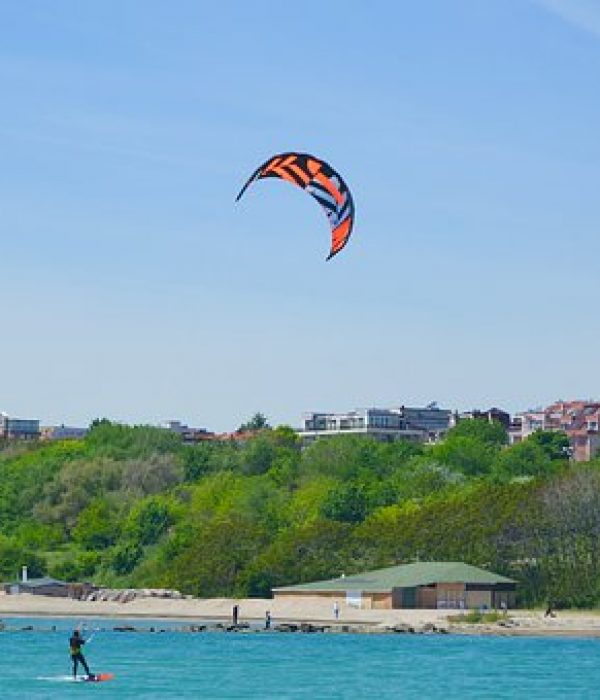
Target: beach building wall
pixel 455 596
pixel 448 585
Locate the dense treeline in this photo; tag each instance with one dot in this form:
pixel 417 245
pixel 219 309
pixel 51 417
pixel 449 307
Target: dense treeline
pixel 132 506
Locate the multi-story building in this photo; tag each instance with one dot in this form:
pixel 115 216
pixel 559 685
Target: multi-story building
pixel 384 424
pixel 63 432
pixel 580 420
pixel 188 435
pixel 434 420
pixel 18 428
pixel 491 415
pixel 524 424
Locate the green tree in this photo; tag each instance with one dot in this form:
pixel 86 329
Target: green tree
pixel 118 441
pixel 527 458
pixel 460 525
pixel 76 566
pixel 149 520
pixel 258 456
pixel 346 457
pixel 258 422
pixel 556 445
pixel 198 460
pixel 97 526
pixel 491 433
pixel 468 455
pixel 24 476
pixel 346 503
pixel 553 545
pixel 13 557
pixel 124 557
pixel 306 502
pixel 312 552
pixel 419 479
pixel 216 553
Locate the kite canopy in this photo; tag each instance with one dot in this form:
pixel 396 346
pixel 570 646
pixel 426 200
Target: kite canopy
pixel 321 181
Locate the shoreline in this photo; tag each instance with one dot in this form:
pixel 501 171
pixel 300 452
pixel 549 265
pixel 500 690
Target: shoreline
pixel 520 623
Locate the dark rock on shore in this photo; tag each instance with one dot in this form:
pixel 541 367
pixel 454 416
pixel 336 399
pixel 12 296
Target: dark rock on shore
pixel 309 628
pixel 286 627
pixel 402 628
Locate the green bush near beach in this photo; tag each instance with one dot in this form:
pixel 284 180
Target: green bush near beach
pixel 476 617
pixel 133 506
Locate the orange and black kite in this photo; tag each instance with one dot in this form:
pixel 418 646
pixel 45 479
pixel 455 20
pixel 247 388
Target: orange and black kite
pixel 320 180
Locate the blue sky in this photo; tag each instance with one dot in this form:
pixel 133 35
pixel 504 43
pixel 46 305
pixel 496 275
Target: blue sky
pixel 133 287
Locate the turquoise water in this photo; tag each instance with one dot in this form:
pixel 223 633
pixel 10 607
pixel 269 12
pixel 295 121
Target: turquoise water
pixel 225 665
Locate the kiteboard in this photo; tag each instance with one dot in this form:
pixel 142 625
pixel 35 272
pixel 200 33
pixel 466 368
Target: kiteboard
pixel 96 678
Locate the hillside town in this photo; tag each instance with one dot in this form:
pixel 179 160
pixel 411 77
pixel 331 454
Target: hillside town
pixel 578 419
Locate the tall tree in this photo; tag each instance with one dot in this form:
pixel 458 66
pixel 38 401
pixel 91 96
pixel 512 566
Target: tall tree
pixel 258 422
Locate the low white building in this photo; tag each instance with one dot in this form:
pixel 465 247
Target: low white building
pixel 384 424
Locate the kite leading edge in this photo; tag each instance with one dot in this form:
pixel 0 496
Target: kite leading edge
pixel 320 180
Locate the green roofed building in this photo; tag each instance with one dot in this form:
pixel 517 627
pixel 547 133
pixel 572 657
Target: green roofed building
pixel 420 585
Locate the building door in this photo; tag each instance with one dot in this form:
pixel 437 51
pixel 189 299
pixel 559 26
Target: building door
pixel 409 597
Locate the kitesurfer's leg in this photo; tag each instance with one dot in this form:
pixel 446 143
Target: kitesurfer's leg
pixel 74 660
pixel 84 664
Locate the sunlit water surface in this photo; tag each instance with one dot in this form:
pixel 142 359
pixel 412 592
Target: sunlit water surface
pixel 172 664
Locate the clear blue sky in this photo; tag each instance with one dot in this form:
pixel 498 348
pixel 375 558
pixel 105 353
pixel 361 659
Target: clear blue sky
pixel 133 287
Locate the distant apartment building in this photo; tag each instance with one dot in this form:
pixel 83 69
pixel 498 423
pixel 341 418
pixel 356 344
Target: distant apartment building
pixel 192 436
pixel 384 424
pixel 239 437
pixel 188 435
pixel 18 428
pixel 62 432
pixel 580 420
pixel 435 421
pixel 491 415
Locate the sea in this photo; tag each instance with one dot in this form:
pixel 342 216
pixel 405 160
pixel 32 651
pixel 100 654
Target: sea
pixel 171 663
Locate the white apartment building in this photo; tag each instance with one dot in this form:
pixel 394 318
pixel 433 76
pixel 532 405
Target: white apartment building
pixel 384 424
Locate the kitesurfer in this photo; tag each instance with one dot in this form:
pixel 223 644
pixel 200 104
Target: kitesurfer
pixel 75 643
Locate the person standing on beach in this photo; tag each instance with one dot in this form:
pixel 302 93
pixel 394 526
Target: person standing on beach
pixel 268 620
pixel 336 610
pixel 75 644
pixel 235 614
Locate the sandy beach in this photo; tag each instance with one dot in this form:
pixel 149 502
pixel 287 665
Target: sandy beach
pixel 523 622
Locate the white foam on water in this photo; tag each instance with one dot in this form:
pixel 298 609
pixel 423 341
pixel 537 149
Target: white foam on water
pixel 62 679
